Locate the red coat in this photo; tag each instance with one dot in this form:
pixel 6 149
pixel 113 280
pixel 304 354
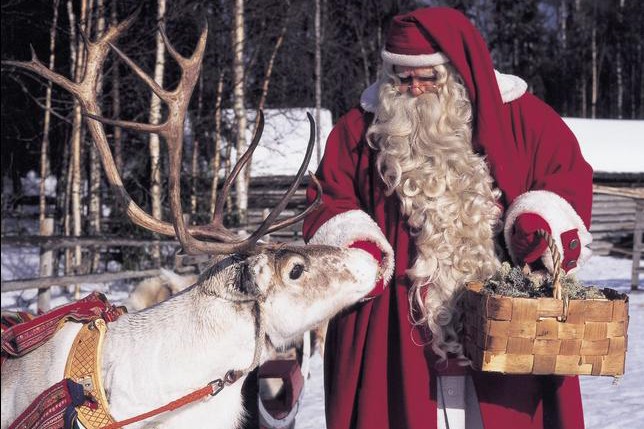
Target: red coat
pixel 377 375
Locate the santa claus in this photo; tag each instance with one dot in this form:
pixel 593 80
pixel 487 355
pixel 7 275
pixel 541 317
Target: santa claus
pixel 446 167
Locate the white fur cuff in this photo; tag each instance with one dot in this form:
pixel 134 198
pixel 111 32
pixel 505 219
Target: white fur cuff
pixel 356 225
pixel 559 214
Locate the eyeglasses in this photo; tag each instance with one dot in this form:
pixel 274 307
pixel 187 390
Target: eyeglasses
pixel 419 83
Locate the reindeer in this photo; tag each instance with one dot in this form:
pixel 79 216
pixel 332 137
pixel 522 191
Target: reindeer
pixel 253 298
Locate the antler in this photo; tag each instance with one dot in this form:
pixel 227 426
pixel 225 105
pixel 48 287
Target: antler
pixel 171 130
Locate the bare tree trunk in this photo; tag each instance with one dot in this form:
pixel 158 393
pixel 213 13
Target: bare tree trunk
pixel 95 164
pixel 562 17
pixel 241 182
pixel 46 265
pixel 195 153
pixel 116 100
pixel 76 138
pixel 46 223
pixel 619 68
pixel 155 118
pixel 636 110
pixel 267 80
pixel 363 54
pixel 318 79
pixel 194 167
pixel 216 160
pixel 44 148
pixel 581 79
pixel 594 65
pixel 67 221
pixel 584 97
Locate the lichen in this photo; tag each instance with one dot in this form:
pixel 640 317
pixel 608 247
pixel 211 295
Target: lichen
pixel 512 281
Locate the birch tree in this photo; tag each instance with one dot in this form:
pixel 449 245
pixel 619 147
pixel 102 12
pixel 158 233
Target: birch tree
pixel 95 174
pixel 46 223
pixel 216 159
pixel 116 99
pixel 154 143
pixel 241 182
pixel 78 57
pixel 44 148
pixel 318 78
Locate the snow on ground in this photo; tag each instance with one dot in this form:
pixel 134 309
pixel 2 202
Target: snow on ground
pixel 606 404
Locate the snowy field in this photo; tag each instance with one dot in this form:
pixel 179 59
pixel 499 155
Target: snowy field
pixel 607 404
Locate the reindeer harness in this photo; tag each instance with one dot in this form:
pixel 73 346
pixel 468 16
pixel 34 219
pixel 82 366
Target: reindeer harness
pixel 80 395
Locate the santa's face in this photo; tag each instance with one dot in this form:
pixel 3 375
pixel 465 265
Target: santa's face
pixel 416 80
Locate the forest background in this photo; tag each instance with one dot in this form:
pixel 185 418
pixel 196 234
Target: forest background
pixel 583 57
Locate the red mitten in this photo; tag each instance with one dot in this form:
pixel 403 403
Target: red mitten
pixel 526 245
pixel 373 249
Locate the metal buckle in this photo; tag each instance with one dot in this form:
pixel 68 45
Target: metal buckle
pixel 217 386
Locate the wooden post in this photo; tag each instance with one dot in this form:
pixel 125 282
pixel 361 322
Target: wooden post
pixel 46 266
pixel 638 245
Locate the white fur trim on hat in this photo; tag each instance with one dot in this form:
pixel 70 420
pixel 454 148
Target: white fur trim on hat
pixel 423 60
pixel 559 214
pixel 356 225
pixel 511 88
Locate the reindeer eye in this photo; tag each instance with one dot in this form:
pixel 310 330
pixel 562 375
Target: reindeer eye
pixel 296 271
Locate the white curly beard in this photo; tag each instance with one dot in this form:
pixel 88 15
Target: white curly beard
pixel 446 193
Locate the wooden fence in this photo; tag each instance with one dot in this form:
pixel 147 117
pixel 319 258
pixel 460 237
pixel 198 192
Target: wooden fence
pixel 617 225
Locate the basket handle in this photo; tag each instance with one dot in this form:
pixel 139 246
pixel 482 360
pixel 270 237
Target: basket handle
pixel 556 274
pixel 556 262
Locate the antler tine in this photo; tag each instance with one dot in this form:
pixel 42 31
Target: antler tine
pixel 155 87
pixel 191 245
pixel 298 217
pixel 219 204
pixel 270 219
pixel 136 126
pixel 37 67
pixel 173 52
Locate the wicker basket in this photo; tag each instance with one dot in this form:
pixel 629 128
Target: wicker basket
pixel 546 335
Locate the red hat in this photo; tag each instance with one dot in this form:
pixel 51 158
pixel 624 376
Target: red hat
pixel 408 45
pixel 428 34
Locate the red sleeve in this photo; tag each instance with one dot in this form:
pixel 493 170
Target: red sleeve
pixel 559 166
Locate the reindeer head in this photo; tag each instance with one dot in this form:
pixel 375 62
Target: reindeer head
pixel 302 287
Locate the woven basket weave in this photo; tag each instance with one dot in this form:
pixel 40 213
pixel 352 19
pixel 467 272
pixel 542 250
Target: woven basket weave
pixel 546 335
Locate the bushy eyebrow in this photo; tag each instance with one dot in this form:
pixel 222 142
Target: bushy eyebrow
pixel 422 75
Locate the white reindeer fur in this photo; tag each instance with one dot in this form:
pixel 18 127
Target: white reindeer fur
pixel 166 351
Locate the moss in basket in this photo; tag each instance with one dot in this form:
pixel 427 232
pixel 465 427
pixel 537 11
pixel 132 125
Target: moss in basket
pixel 512 281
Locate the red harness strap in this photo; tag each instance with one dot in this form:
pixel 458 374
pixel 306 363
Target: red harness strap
pixel 211 389
pixel 55 408
pixel 20 339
